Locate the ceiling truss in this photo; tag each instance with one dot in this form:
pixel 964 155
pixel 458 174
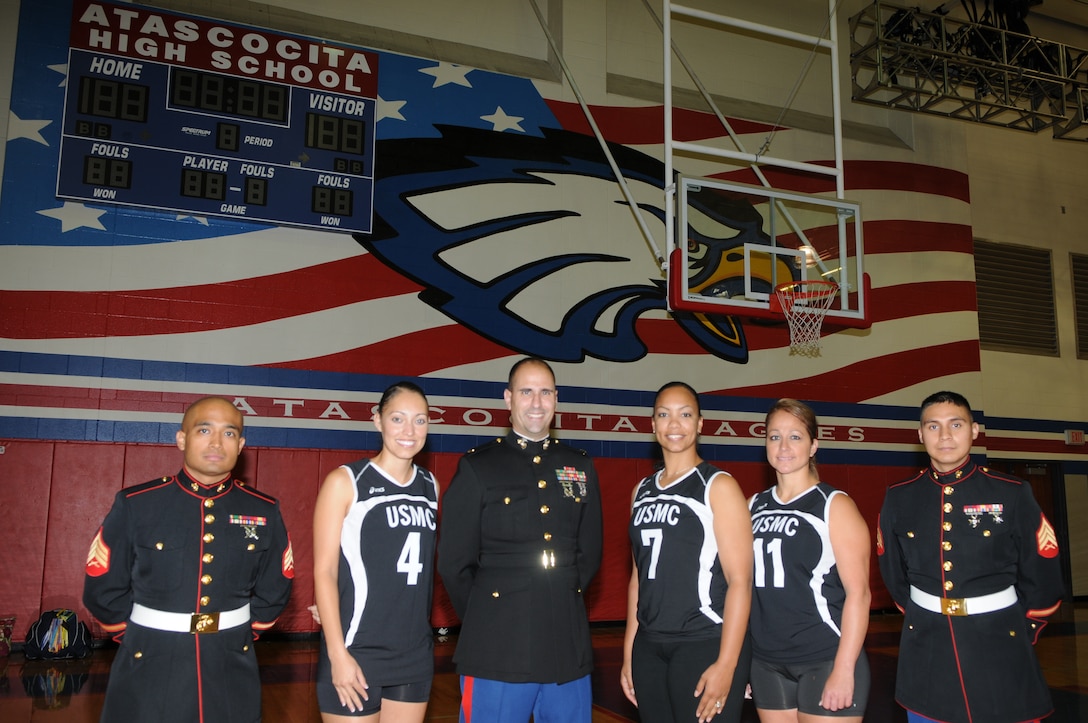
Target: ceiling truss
pixel 928 62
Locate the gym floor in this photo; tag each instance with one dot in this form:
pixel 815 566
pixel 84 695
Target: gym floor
pixel 73 691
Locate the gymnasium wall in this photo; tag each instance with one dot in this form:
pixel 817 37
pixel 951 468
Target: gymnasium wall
pixel 499 231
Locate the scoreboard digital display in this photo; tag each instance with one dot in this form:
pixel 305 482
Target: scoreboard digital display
pixel 193 115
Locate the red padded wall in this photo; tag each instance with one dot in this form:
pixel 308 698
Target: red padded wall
pixel 84 483
pixel 56 495
pixel 26 469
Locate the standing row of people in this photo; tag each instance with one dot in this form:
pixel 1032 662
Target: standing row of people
pixel 768 595
pixel 772 592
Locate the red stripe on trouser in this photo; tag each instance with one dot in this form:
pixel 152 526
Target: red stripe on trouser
pixel 466 699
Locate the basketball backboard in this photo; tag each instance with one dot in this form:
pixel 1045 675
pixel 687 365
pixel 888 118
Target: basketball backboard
pixel 735 242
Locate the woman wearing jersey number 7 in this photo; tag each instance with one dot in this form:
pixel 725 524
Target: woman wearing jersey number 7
pixel 686 654
pixel 810 604
pixel 374 541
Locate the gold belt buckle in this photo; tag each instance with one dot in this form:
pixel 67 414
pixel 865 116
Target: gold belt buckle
pixel 548 558
pixel 204 623
pixel 953 606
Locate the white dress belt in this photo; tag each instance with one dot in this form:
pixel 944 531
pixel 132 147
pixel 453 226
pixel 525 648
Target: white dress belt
pixel 964 605
pixel 188 622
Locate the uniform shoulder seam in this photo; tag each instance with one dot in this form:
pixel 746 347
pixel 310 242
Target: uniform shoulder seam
pixel 490 444
pixel 260 495
pixel 1000 476
pixel 148 487
pixel 900 483
pixel 572 448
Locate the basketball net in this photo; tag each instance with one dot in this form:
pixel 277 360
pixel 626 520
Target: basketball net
pixel 805 304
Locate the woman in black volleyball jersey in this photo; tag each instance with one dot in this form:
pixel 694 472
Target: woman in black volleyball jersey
pixel 686 654
pixel 374 542
pixel 810 605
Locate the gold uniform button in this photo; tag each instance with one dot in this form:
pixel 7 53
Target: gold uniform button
pixel 205 579
pixel 541 484
pixel 495 593
pixel 209 503
pixel 946 526
pixel 946 545
pixel 547 536
pixel 948 490
pixel 208 519
pixel 208 537
pixel 204 600
pixel 985 533
pixel 138 654
pixel 947 507
pixel 506 500
pixel 947 565
pixel 208 557
pixel 251 546
pixel 1012 633
pixel 910 534
pixel 536 459
pixel 544 509
pixel 245 648
pixel 158 545
pixel 948 585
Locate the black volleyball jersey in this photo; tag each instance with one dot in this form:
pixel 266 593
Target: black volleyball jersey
pixel 797 595
pixel 387 573
pixel 681 587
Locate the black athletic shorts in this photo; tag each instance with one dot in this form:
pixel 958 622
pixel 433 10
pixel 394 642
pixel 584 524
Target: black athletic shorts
pixel 785 687
pixel 329 702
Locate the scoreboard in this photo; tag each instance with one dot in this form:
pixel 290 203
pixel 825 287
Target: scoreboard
pixel 193 115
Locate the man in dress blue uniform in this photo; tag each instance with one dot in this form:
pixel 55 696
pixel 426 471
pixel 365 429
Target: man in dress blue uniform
pixel 972 561
pixel 185 570
pixel 519 542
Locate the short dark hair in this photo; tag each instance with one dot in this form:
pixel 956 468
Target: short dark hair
pixel 397 388
pixel 680 385
pixel 946 398
pixel 522 362
pixel 204 400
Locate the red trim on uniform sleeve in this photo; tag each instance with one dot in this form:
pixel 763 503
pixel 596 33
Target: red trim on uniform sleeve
pixel 289 561
pixel 1037 626
pixel 879 538
pixel 1046 539
pixel 98 557
pixel 1046 613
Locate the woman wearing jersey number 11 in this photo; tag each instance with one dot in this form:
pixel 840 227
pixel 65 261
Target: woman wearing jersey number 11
pixel 686 653
pixel 374 542
pixel 810 603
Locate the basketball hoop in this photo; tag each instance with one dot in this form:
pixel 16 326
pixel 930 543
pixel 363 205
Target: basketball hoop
pixel 805 304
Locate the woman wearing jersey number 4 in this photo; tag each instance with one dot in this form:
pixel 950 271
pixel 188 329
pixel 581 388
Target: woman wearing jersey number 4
pixel 686 653
pixel 810 605
pixel 374 541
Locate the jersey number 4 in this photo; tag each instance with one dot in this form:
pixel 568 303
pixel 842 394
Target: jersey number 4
pixel 408 562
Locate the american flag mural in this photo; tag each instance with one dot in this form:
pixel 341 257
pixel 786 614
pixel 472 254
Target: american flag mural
pixel 498 231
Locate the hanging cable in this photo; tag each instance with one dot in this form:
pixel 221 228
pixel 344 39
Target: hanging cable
pixel 792 96
pixel 620 179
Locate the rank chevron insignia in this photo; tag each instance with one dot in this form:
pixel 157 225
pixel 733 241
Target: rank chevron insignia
pixel 1046 539
pixel 288 562
pixel 98 557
